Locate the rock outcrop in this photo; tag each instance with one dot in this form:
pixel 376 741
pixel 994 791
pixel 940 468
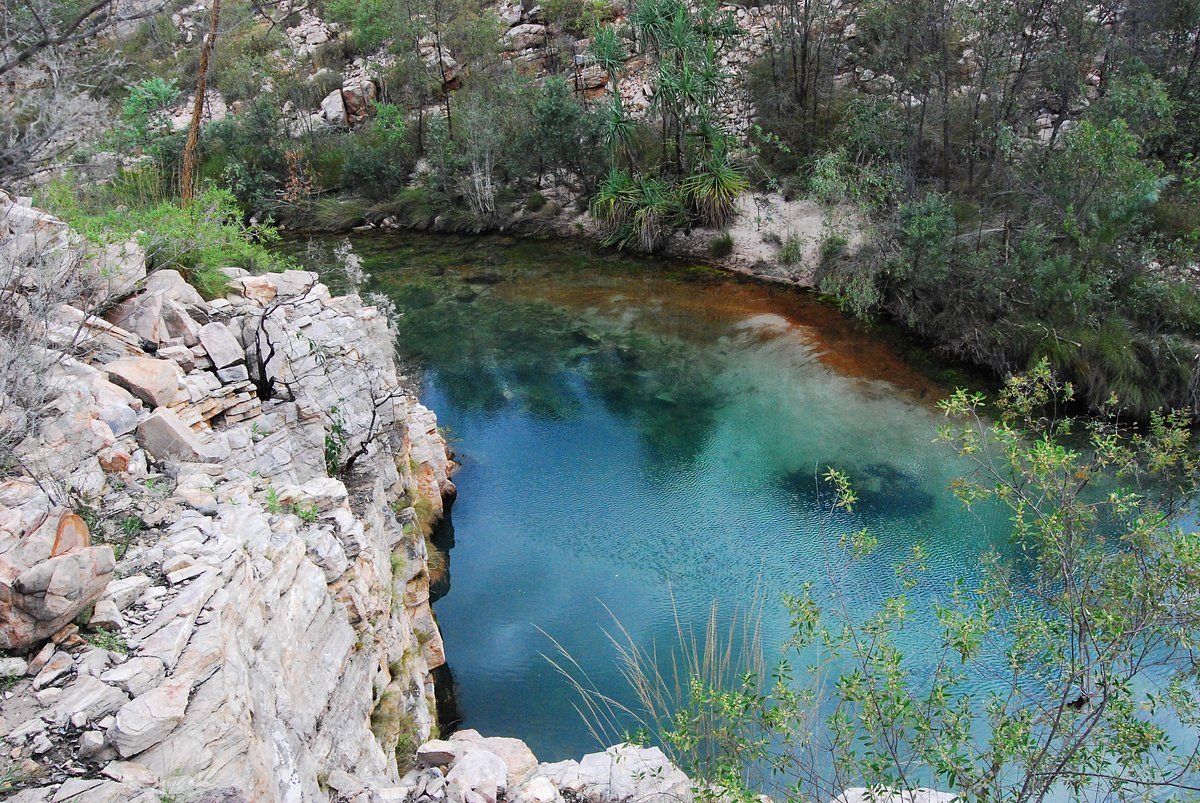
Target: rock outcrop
pixel 207 582
pixel 469 768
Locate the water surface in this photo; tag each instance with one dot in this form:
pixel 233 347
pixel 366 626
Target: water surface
pixel 639 440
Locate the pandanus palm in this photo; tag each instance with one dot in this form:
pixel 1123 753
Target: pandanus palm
pixel 649 20
pixel 657 212
pixel 637 212
pixel 617 131
pixel 607 51
pixel 713 186
pixel 679 37
pixel 614 199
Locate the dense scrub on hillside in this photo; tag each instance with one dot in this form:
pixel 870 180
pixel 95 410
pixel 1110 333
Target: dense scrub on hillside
pixel 1029 168
pixel 1026 171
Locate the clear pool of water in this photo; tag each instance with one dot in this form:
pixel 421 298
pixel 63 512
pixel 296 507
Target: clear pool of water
pixel 640 439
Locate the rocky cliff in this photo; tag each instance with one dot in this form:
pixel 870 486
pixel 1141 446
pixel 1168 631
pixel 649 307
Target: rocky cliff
pixel 213 573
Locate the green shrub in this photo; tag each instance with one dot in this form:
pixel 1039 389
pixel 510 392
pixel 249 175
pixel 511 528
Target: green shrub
pixel 340 214
pixel 196 240
pixel 792 250
pixel 833 244
pixel 244 56
pixel 418 206
pixel 243 153
pixel 721 245
pixel 307 92
pixel 642 212
pixel 378 158
pixel 104 640
pixel 368 19
pixel 334 55
pixel 143 113
pixel 712 188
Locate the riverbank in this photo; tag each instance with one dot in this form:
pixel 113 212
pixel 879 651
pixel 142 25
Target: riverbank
pixel 770 237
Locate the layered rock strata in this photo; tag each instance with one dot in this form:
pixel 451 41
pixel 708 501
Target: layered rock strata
pixel 213 573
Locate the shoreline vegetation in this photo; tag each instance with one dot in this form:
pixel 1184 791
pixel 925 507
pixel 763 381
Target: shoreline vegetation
pixel 1010 182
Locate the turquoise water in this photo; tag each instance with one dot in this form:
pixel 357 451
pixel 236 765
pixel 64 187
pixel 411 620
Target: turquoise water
pixel 639 440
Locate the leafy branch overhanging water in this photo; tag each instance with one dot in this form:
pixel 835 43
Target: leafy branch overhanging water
pixel 1093 635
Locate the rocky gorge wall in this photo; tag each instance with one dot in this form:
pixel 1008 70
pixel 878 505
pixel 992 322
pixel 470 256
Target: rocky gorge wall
pixel 189 602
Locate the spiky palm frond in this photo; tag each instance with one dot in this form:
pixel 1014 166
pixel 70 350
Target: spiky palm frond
pixel 618 128
pixel 658 213
pixel 679 33
pixel 607 50
pixel 639 213
pixel 650 19
pixel 713 187
pixel 614 199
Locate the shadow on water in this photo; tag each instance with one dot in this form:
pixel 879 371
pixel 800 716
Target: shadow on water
pixel 442 539
pixel 882 490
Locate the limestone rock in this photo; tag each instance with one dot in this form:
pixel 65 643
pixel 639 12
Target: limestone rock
pixel 12 667
pixel 58 665
pixel 120 419
pixel 50 533
pixel 146 721
pixel 42 658
pixel 233 374
pixel 256 678
pixel 87 699
pixel 358 95
pixel 624 772
pixel 137 675
pixel 95 661
pixel 124 591
pixel 119 267
pixel 130 772
pixel 480 771
pixel 105 616
pixel 538 789
pixel 516 755
pixel 525 36
pixel 97 790
pixel 171 285
pixel 166 437
pixel 438 752
pixel 333 109
pixel 223 348
pixel 180 355
pixel 142 315
pixel 179 324
pixel 91 744
pixel 49 594
pixel 155 382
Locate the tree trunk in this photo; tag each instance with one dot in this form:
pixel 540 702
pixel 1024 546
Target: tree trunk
pixel 187 187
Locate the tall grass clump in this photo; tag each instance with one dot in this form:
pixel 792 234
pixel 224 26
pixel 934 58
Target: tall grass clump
pixel 197 240
pixel 724 653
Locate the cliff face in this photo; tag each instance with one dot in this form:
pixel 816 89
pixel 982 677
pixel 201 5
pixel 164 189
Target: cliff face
pixel 236 493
